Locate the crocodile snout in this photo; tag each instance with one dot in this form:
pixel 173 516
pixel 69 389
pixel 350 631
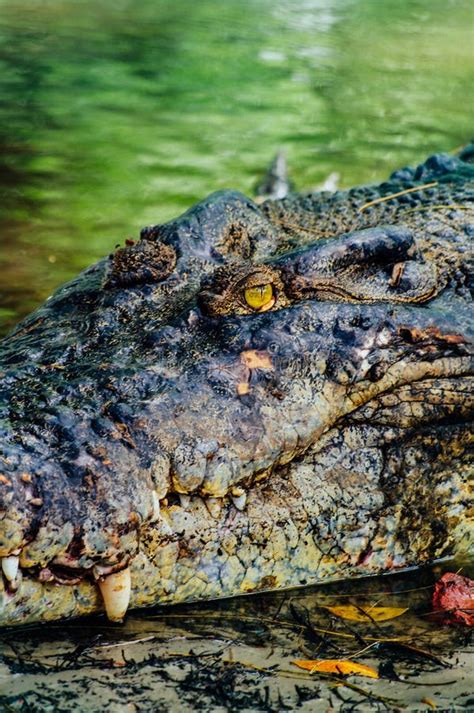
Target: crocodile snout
pixel 249 394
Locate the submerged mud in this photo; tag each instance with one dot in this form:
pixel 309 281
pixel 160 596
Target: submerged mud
pixel 237 654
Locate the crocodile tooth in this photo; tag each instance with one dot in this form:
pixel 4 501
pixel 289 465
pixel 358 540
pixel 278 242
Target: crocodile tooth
pixel 214 505
pixel 10 567
pixel 184 500
pixel 240 501
pixel 115 590
pixel 156 505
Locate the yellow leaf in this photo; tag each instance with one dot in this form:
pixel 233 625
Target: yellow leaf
pixel 353 613
pixel 346 668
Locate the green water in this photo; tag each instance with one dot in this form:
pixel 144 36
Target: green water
pixel 116 114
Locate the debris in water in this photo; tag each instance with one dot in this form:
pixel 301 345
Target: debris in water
pixel 453 599
pixel 358 613
pixel 344 668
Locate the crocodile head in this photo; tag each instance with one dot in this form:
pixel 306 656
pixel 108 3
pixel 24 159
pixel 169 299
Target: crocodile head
pixel 248 397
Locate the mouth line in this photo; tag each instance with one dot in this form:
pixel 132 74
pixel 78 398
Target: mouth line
pixel 63 574
pixel 381 409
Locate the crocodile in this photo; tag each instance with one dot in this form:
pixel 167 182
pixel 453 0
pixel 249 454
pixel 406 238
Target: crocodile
pixel 252 396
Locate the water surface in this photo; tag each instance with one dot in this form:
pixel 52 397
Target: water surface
pixel 116 114
pixel 237 655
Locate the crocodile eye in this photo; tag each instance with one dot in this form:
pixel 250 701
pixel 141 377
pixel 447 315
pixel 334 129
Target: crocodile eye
pixel 260 297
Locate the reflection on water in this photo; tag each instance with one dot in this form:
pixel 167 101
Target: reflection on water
pixel 118 114
pixel 237 655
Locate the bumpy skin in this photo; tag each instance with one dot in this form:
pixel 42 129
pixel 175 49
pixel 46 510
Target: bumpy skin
pixel 324 436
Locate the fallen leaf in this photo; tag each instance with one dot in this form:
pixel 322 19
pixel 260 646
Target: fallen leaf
pixel 429 702
pixel 353 613
pixel 254 359
pixel 453 599
pixel 345 668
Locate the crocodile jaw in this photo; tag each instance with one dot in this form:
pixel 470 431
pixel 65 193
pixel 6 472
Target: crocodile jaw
pixel 172 454
pixel 323 514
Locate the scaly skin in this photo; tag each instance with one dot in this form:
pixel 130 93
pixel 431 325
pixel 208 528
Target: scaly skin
pixel 323 434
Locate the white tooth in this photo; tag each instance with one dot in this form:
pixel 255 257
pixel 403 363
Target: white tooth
pixel 214 505
pixel 240 501
pixel 156 505
pixel 184 500
pixel 115 590
pixel 10 567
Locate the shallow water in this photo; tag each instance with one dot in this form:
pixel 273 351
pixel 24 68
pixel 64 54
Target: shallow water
pixel 117 114
pixel 114 115
pixel 238 655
